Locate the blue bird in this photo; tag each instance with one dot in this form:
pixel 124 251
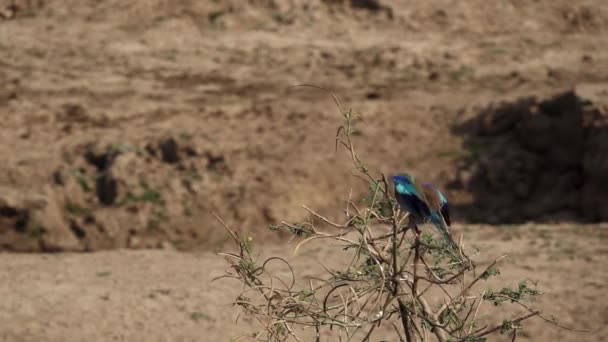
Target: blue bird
pixel 411 198
pixel 426 204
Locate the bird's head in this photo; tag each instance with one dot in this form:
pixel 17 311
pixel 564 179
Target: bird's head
pixel 404 183
pixel 404 178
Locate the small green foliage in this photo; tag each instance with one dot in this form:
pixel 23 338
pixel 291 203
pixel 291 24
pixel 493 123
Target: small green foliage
pixel 496 51
pixel 129 197
pixel 185 136
pixel 147 194
pixel 445 259
pixel 82 180
pixel 492 271
pixel 350 246
pixel 152 196
pixel 199 316
pixel 507 326
pixel 369 268
pixel 104 274
pixel 77 210
pixel 177 244
pixel 473 338
pixel 363 167
pixel 36 231
pixel 568 248
pixel 281 18
pixel 248 267
pixel 553 320
pixel 348 275
pixel 191 176
pixel 118 149
pixel 153 225
pixel 306 296
pixel 449 317
pixel 377 58
pixel 409 75
pixel 187 209
pixel 462 72
pixel 377 200
pixel 507 294
pixel 156 219
pixel 440 271
pixel 348 127
pixel 280 328
pixel 429 240
pixel 242 301
pixel 170 55
pixel 391 249
pixel 215 16
pixel 357 222
pixel 246 245
pixel 299 229
pixel 356 133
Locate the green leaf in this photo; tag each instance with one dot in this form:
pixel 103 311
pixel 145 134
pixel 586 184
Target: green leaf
pixel 82 180
pixel 492 271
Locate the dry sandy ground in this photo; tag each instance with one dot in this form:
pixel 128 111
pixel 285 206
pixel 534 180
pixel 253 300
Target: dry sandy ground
pixel 81 78
pixel 84 82
pixel 169 296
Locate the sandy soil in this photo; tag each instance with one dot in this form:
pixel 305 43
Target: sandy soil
pixel 131 120
pixel 123 122
pixel 169 296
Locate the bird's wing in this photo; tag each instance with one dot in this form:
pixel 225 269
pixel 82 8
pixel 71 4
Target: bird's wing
pixel 412 195
pixel 443 228
pixel 437 201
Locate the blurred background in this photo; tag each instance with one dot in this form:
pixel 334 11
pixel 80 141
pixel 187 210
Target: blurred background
pixel 123 123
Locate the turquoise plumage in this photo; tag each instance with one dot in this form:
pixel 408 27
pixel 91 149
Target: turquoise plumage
pixel 411 198
pixel 426 204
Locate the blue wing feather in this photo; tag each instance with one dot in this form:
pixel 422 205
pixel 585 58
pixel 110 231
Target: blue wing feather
pixel 444 207
pixel 410 198
pixel 439 216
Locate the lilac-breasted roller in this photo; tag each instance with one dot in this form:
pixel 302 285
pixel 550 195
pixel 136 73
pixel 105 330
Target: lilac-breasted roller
pixel 425 204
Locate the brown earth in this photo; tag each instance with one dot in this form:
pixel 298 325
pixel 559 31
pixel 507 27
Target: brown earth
pixel 154 295
pixel 122 123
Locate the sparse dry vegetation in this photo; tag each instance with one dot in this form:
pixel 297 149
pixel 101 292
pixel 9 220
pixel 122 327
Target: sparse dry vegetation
pixel 396 276
pixel 125 123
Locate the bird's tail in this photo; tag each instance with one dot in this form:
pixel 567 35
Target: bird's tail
pixel 443 229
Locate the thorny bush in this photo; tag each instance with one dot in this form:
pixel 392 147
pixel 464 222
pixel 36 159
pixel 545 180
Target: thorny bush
pixel 397 277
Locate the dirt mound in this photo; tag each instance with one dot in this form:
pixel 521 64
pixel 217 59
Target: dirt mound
pixel 536 160
pixel 108 195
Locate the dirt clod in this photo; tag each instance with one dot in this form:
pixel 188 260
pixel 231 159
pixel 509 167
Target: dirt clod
pixel 169 150
pixel 106 188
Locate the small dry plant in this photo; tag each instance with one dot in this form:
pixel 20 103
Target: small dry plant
pixel 414 286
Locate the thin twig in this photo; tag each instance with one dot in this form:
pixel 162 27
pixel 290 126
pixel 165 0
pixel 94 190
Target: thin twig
pixel 515 321
pixel 463 292
pixel 477 311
